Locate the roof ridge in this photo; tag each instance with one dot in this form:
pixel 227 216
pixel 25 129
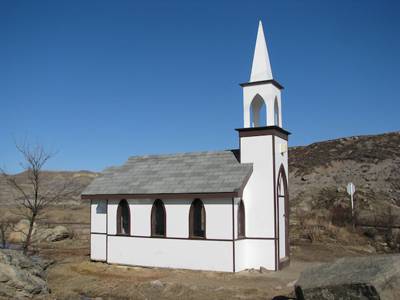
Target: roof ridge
pixel 194 153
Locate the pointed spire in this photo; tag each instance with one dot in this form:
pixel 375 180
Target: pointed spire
pixel 261 69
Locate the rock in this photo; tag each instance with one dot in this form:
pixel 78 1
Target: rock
pixel 341 189
pixel 371 277
pixel 291 284
pixel 252 270
pixel 19 233
pixel 20 276
pixel 263 270
pixel 156 284
pixel 55 234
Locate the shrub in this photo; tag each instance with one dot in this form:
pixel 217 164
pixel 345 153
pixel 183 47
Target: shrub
pixel 341 216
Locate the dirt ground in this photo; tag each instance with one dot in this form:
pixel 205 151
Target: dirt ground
pixel 74 276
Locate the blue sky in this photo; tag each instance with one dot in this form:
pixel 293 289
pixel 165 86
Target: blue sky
pixel 99 81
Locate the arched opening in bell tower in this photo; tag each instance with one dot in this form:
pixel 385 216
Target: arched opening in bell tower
pixel 276 113
pixel 258 112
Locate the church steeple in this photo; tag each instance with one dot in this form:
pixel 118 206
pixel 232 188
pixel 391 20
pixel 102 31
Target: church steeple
pixel 261 68
pixel 262 93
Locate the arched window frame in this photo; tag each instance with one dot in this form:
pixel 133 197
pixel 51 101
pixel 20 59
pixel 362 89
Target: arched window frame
pixel 241 219
pixel 203 220
pixel 158 204
pixel 123 204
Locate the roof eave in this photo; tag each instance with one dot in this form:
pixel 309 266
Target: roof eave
pixel 162 196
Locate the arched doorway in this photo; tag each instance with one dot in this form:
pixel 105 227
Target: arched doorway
pixel 283 215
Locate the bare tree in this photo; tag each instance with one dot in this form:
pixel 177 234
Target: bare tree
pixel 33 198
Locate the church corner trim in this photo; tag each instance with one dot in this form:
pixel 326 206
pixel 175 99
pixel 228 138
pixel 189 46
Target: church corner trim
pixel 233 236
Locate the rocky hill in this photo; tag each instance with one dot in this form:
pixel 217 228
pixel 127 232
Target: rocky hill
pixel 318 175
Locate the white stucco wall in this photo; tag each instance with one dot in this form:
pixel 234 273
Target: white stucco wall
pixel 258 194
pixel 98 221
pixel 112 215
pixel 98 216
pixel 171 253
pixel 254 254
pixel 140 216
pixel 219 218
pixel 175 251
pixel 98 243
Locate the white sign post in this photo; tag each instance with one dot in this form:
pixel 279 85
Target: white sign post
pixel 351 190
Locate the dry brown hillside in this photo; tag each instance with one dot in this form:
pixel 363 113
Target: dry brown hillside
pixel 318 176
pixel 320 172
pixel 51 180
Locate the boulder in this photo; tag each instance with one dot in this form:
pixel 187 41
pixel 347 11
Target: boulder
pixel 40 233
pixel 371 277
pixel 20 231
pixel 21 276
pixel 57 233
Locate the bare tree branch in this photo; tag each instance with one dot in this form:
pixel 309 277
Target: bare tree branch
pixel 33 198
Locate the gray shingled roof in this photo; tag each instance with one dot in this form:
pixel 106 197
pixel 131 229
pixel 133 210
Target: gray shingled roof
pixel 197 172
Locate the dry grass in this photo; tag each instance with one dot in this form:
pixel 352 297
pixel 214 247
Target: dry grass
pixel 74 276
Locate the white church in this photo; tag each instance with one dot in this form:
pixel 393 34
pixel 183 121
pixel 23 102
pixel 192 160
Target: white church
pixel 221 211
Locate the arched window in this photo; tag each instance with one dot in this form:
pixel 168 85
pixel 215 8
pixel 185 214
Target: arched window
pixel 282 183
pixel 197 220
pixel 276 113
pixel 123 218
pixel 158 219
pixel 258 115
pixel 241 220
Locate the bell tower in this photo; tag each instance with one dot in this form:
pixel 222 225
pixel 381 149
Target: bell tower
pixel 264 143
pixel 262 90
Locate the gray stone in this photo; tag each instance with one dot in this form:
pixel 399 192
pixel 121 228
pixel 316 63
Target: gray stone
pixel 39 233
pixel 55 234
pixel 21 276
pixel 291 284
pixel 371 277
